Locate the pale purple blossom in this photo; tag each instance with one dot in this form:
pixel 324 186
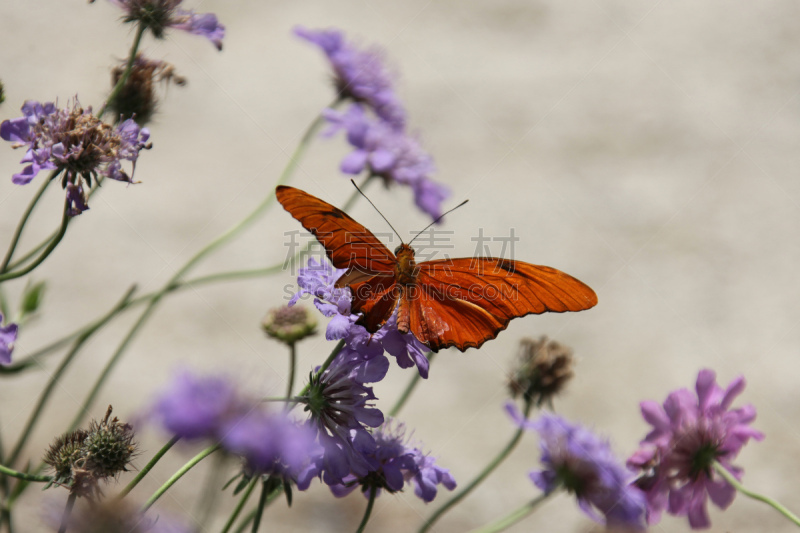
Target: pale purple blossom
pixel 340 406
pixel 360 75
pixel 158 15
pixel 75 143
pixel 270 443
pixel 390 154
pixel 197 407
pixel 691 432
pixel 318 280
pixel 575 459
pixel 398 462
pixel 8 336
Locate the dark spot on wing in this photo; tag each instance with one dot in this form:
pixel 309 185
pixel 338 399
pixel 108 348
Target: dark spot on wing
pixel 506 265
pixel 336 214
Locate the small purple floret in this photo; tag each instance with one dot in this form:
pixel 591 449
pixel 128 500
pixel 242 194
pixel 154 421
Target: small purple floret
pixel 359 74
pixel 391 154
pixel 575 459
pixel 8 336
pixel 690 433
pixel 205 24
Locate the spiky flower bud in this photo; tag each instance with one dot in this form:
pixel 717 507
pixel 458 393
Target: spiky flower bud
pixel 137 98
pixel 543 369
pixel 109 446
pixel 81 458
pixel 289 324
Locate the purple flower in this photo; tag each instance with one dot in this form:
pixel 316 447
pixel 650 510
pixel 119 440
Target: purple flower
pixel 195 407
pixel 75 143
pixel 270 443
pixel 391 154
pixel 359 74
pixel 319 281
pixel 340 408
pixel 580 462
pixel 8 336
pixel 690 434
pixel 397 462
pixel 161 14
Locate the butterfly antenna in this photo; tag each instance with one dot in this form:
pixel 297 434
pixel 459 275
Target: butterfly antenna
pixel 376 209
pixel 437 220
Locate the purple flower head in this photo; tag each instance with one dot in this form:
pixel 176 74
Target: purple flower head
pixel 397 462
pixel 75 143
pixel 575 459
pixel 360 75
pixel 319 281
pixel 195 407
pixel 391 154
pixel 692 432
pixel 161 14
pixel 8 336
pixel 270 443
pixel 340 408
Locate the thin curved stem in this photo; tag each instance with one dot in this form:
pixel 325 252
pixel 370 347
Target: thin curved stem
pixel 262 503
pixel 505 452
pixel 514 516
pixel 754 495
pixel 59 372
pixel 409 389
pixel 149 466
pixel 177 475
pixel 246 521
pixel 128 68
pixel 24 220
pixel 240 505
pixel 23 476
pixel 67 512
pixel 368 511
pixel 65 218
pixel 292 368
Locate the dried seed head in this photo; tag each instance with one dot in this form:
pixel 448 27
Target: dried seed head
pixel 543 369
pixel 289 324
pixel 65 455
pixel 137 98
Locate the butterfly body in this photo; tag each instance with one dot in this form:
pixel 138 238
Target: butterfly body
pixel 448 302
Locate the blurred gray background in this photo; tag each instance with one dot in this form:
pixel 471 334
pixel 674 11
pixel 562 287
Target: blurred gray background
pixel 648 148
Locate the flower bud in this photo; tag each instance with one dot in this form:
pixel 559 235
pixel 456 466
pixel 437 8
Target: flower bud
pixel 109 446
pixel 289 324
pixel 64 454
pixel 137 98
pixel 543 369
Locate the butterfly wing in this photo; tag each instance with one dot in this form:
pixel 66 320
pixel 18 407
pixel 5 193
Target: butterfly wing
pixel 370 265
pixel 465 302
pixel 347 243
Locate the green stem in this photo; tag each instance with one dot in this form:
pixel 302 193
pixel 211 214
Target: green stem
pixel 372 493
pixel 23 476
pixel 292 368
pixel 262 502
pixel 754 495
pixel 240 505
pixel 409 389
pixel 128 68
pixel 24 220
pixel 65 218
pixel 179 474
pixel 514 516
pixel 213 245
pixel 67 512
pixel 149 466
pixel 59 372
pixel 246 521
pixel 460 495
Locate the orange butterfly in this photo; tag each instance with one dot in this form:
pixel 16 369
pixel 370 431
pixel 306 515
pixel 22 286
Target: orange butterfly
pixel 449 302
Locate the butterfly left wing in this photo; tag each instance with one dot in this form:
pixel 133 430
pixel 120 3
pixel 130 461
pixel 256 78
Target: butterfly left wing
pixel 347 243
pixel 465 302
